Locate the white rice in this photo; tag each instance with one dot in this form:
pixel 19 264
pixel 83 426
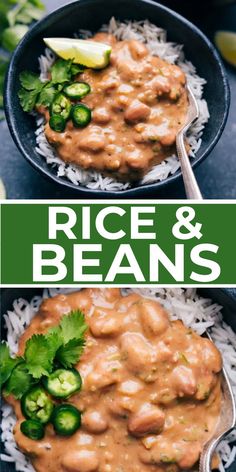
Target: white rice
pixel 184 304
pixel 156 40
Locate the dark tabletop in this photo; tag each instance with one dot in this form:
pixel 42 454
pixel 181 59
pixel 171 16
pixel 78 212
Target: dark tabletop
pixel 216 175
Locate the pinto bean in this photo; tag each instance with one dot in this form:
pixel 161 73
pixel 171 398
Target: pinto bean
pixel 164 353
pixel 121 405
pixel 159 85
pixel 80 461
pixel 139 354
pixel 211 356
pixel 154 317
pixel 183 381
pixel 105 38
pixel 137 49
pixel 101 115
pixel 130 387
pixel 105 373
pixel 168 139
pixel 94 421
pixel 105 323
pixel 92 142
pixel 136 160
pixel 148 419
pixel 109 83
pixel 137 111
pixel 127 70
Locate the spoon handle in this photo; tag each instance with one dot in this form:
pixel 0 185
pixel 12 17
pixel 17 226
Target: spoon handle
pixel 191 186
pixel 206 456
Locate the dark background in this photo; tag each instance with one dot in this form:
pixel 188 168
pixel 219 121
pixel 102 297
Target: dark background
pixel 216 175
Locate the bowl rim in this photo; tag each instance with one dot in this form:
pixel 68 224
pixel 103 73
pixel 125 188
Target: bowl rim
pixel 139 189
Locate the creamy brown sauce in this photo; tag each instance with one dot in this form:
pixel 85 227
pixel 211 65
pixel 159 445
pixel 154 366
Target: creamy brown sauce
pixel 151 391
pixel 139 103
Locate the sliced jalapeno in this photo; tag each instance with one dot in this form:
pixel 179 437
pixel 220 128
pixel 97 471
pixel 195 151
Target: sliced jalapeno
pixel 66 419
pixel 37 405
pixel 62 383
pixel 33 429
pixel 77 90
pixel 81 115
pixel 57 123
pixel 61 106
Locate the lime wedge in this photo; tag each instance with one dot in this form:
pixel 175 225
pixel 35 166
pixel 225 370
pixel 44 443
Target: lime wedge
pixel 226 43
pixel 88 53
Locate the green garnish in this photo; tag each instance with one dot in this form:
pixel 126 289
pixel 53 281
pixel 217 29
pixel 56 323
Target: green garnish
pixel 37 405
pixel 183 358
pixel 61 106
pixel 19 382
pixel 62 345
pixel 47 95
pixel 61 71
pixel 7 363
pixel 167 459
pixel 77 69
pixel 77 90
pixel 15 18
pixel 66 419
pixel 81 115
pixel 30 89
pixel 57 123
pixel 33 429
pixel 62 383
pixel 34 92
pixel 73 326
pixel 39 356
pixel 30 81
pixel 68 354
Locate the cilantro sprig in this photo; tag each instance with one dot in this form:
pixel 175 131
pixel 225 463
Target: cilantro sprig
pixel 35 92
pixel 61 345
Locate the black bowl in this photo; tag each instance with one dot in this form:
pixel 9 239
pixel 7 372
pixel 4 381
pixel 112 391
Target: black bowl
pixel 225 297
pixel 91 14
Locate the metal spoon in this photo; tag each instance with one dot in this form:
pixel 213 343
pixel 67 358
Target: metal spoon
pixel 226 422
pixel 190 183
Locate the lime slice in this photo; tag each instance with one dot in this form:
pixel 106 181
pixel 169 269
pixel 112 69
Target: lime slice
pixel 226 43
pixel 88 53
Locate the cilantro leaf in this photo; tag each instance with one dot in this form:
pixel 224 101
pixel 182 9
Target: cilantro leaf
pixel 69 354
pixel 39 355
pixel 61 71
pixel 73 326
pixel 27 99
pixel 54 340
pixel 47 95
pixel 30 81
pixel 19 382
pixel 7 363
pixel 77 69
pixel 31 86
